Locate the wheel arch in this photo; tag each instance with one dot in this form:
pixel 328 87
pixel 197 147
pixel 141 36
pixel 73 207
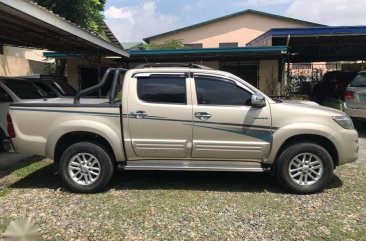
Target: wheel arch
pixel 71 138
pixel 322 141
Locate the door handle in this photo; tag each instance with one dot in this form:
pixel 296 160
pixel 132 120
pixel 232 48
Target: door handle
pixel 202 115
pixel 139 114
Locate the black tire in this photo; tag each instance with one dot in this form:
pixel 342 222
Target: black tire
pixel 2 137
pixel 74 154
pixel 291 155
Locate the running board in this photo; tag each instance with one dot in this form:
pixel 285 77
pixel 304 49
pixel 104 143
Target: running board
pixel 176 165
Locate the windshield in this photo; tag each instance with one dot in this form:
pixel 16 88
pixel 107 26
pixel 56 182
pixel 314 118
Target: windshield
pixel 23 89
pixel 359 81
pixel 64 88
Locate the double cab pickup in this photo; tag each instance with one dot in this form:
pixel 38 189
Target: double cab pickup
pixel 183 117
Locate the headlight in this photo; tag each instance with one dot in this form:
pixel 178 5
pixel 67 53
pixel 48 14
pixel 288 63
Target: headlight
pixel 344 121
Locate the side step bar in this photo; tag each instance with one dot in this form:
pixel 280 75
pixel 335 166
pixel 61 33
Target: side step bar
pixel 176 165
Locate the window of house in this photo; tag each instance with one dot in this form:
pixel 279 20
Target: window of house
pixel 301 66
pixel 194 46
pixel 162 89
pixel 217 91
pixel 228 45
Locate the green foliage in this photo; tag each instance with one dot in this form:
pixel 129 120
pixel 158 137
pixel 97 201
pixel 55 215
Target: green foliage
pixel 170 44
pixel 85 13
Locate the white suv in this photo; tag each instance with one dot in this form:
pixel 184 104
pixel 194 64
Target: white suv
pixel 355 97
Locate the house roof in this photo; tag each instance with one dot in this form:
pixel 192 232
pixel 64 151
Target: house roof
pixel 335 43
pixel 213 54
pixel 148 39
pixel 26 24
pixel 110 35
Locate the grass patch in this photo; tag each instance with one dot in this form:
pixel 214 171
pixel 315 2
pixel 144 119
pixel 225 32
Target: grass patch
pixel 4 191
pixel 25 169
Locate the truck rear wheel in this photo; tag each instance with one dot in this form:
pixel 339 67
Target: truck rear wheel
pixel 86 167
pixel 304 168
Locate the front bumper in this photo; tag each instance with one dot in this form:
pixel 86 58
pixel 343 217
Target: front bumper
pixel 347 145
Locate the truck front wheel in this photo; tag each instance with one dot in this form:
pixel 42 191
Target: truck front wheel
pixel 86 167
pixel 304 168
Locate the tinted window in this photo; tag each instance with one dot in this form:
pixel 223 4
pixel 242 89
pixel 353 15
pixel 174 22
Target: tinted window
pixel 4 97
pixel 23 89
pixel 162 89
pixel 216 91
pixel 49 92
pixel 359 81
pixel 228 45
pixel 64 88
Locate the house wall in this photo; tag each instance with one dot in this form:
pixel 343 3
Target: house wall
pixel 16 61
pixel 241 29
pixel 14 66
pixel 269 79
pixel 30 54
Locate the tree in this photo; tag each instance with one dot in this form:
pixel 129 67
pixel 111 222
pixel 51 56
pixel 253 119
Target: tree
pixel 170 44
pixel 85 13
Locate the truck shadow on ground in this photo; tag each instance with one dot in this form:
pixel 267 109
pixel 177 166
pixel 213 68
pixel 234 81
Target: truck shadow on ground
pixel 361 128
pixel 10 162
pixel 174 180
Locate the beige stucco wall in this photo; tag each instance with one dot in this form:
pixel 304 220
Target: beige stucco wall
pixel 14 66
pixel 268 77
pixel 30 54
pixel 241 29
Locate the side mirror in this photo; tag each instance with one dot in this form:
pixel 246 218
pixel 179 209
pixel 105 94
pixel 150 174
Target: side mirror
pixel 258 100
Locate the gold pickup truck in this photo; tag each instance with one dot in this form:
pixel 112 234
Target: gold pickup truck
pixel 189 118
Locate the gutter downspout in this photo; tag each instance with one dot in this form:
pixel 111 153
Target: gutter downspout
pixel 286 75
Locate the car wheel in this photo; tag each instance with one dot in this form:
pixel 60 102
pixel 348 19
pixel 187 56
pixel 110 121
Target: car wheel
pixel 86 167
pixel 304 168
pixel 2 137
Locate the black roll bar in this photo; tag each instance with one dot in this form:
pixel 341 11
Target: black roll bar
pixel 117 72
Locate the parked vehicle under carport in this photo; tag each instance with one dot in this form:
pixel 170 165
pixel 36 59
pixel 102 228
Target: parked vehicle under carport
pixel 355 104
pixel 53 86
pixel 15 90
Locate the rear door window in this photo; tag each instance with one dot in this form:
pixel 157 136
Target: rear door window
pixel 49 92
pixel 64 88
pixel 359 81
pixel 23 89
pixel 162 89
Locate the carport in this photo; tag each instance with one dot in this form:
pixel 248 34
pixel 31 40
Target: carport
pixel 26 24
pixel 318 44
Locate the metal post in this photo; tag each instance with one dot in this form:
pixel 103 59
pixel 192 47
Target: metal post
pixel 99 65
